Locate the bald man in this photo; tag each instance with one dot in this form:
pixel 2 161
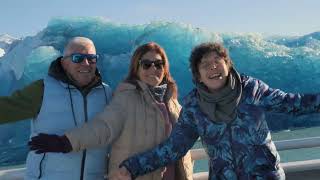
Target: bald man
pixel 70 95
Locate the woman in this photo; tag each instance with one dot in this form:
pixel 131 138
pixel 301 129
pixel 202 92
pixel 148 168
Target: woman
pixel 140 116
pixel 227 111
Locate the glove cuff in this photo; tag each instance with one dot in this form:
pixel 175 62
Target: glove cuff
pixel 67 147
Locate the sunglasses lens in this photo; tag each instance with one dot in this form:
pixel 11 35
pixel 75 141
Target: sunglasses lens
pixel 146 64
pixel 92 58
pixel 158 64
pixel 78 58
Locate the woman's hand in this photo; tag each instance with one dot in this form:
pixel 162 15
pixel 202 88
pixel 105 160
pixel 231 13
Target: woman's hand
pixel 121 174
pixel 43 143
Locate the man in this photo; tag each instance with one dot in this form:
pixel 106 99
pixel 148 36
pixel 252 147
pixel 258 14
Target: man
pixel 70 95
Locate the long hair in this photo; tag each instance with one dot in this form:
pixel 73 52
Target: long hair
pixel 134 66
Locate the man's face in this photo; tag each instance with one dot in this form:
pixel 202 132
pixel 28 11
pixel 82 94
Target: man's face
pixel 81 73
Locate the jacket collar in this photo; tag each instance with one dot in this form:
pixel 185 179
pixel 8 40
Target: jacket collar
pixel 143 87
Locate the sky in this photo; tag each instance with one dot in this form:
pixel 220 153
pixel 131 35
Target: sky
pixel 20 18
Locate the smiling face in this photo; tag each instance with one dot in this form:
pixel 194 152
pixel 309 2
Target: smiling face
pixel 213 71
pixel 152 76
pixel 81 73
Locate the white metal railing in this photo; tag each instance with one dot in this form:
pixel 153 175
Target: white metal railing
pixel 12 174
pixel 298 166
pixel 197 154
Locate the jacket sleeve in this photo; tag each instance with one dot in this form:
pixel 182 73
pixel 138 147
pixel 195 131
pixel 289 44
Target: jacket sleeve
pixel 275 100
pixel 182 138
pixel 22 104
pixel 103 129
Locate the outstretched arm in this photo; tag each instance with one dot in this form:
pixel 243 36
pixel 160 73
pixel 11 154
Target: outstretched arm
pixel 182 138
pixel 102 130
pixel 22 104
pixel 275 100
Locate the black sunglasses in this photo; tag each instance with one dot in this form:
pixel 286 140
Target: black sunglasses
pixel 146 63
pixel 78 58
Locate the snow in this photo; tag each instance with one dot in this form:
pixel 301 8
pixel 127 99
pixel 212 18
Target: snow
pixel 2 52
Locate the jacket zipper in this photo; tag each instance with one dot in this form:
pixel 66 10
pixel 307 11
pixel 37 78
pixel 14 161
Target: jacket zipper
pixel 84 154
pixel 40 166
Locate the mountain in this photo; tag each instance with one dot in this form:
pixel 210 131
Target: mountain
pixel 5 42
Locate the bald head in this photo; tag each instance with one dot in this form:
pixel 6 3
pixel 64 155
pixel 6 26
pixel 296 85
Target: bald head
pixel 81 73
pixel 78 44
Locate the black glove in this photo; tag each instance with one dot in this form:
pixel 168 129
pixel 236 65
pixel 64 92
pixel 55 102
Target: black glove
pixel 49 143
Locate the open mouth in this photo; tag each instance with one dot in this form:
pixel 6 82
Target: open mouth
pixel 84 71
pixel 215 76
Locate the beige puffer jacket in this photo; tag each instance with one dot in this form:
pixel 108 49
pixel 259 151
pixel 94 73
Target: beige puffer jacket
pixel 133 123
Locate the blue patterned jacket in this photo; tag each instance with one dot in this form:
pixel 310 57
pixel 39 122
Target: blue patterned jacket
pixel 242 149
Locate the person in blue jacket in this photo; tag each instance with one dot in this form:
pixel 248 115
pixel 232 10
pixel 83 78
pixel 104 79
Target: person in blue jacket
pixel 226 110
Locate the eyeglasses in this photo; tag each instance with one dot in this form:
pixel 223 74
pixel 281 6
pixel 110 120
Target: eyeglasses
pixel 78 58
pixel 146 63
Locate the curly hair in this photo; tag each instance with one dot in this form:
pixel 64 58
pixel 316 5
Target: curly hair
pixel 204 49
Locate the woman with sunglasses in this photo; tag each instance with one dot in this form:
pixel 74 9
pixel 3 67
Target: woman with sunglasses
pixel 141 115
pixel 226 110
